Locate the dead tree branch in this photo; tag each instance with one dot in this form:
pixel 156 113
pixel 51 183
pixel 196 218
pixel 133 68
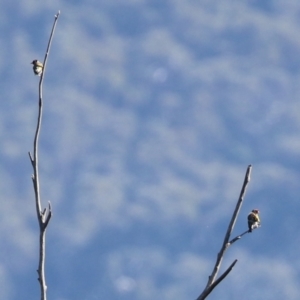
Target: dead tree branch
pixel 43 216
pixel 212 282
pixel 213 285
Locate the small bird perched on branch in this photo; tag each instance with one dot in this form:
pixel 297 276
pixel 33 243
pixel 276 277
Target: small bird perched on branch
pixel 253 220
pixel 37 67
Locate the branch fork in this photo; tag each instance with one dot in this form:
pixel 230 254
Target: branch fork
pixel 213 281
pixel 43 215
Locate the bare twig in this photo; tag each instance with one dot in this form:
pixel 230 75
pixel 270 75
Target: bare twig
pixel 212 282
pixel 208 290
pixel 43 216
pixel 237 237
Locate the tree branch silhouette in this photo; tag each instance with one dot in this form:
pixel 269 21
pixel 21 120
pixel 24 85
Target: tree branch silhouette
pixel 212 281
pixel 44 215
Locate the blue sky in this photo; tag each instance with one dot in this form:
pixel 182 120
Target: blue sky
pixel 153 111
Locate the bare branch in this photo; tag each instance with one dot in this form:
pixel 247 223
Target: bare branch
pixel 224 274
pixel 46 55
pixel 49 215
pixel 210 289
pixel 226 244
pixel 230 227
pixel 237 237
pixel 31 159
pixel 42 220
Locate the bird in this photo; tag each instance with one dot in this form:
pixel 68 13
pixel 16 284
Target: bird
pixel 37 67
pixel 253 219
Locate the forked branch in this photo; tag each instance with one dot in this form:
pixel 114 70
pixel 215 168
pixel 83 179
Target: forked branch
pixel 212 281
pixel 44 215
pixel 209 289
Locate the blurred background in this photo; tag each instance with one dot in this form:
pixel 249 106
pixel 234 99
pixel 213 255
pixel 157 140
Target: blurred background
pixel 153 109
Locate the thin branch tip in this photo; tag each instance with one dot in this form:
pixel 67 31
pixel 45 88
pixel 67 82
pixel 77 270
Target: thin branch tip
pixel 248 173
pixel 57 15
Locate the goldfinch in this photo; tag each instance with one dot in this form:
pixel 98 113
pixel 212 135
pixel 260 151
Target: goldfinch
pixel 37 67
pixel 253 220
